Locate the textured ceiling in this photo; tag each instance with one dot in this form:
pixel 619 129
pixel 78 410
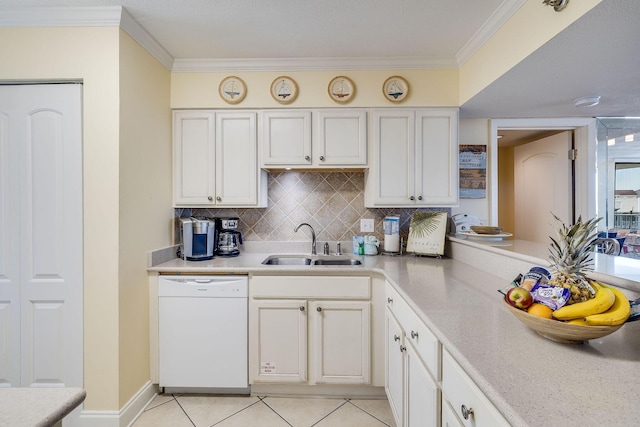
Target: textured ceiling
pixel 596 55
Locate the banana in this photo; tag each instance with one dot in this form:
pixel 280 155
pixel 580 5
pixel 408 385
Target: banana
pixel 603 300
pixel 579 322
pixel 617 314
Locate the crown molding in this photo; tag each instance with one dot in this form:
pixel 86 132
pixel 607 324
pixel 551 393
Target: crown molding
pixel 108 16
pixel 501 15
pixel 308 64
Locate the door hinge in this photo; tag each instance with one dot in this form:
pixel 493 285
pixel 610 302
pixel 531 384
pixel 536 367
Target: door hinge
pixel 573 154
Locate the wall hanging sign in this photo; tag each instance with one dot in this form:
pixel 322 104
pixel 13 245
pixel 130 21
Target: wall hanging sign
pixel 232 89
pixel 472 163
pixel 284 90
pixel 341 89
pixel 395 89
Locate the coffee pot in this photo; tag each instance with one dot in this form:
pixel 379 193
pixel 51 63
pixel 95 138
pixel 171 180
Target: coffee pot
pixel 228 238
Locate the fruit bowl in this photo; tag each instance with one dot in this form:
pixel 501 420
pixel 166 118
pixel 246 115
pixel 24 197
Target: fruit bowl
pixel 561 331
pixel 486 229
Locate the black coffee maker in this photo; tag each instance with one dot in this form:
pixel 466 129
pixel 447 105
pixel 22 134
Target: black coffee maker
pixel 228 238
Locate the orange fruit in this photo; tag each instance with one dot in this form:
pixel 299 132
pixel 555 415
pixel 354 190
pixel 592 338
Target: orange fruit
pixel 540 310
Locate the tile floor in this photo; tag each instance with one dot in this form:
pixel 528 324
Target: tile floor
pixel 263 411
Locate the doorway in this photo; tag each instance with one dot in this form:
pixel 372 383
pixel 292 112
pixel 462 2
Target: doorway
pixel 502 200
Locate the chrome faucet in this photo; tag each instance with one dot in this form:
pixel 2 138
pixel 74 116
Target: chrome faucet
pixel 313 237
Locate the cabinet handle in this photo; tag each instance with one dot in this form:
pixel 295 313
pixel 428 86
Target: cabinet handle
pixel 412 198
pixel 302 308
pixel 319 309
pixel 307 158
pixel 322 158
pixel 219 198
pixel 390 300
pixel 419 197
pixel 210 198
pixel 414 335
pixel 466 412
pixel 403 348
pixel 396 338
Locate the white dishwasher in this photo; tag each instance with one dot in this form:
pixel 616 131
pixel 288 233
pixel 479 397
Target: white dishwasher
pixel 202 326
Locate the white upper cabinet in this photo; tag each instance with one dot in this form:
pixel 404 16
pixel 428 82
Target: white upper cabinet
pixel 216 160
pixel 414 158
pixel 314 139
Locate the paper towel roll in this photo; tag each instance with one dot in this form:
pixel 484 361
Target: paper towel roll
pixel 392 243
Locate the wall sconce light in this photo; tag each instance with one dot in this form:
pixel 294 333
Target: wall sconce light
pixel 558 5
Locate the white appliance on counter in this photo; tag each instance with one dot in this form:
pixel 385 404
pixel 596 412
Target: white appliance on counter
pixel 202 326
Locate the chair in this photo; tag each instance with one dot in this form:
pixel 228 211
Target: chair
pixel 607 245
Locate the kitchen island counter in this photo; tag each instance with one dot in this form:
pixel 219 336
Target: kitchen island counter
pixel 531 380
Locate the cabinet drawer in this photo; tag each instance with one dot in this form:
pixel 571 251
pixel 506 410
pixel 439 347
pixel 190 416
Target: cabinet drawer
pixel 460 390
pixel 426 344
pixel 310 287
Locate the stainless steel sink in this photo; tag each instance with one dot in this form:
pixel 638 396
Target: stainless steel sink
pixel 287 260
pixel 336 261
pixel 306 260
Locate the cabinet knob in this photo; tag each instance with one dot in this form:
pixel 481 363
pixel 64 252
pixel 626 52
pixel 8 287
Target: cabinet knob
pixel 396 338
pixel 219 198
pixel 403 348
pixel 414 335
pixel 390 300
pixel 302 308
pixel 322 158
pixel 319 309
pixel 466 412
pixel 210 198
pixel 307 158
pixel 412 198
pixel 419 197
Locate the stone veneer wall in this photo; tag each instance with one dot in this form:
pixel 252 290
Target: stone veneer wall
pixel 332 202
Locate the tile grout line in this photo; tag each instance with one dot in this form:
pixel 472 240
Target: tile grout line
pixel 274 411
pixel 368 413
pixel 320 420
pixel 183 410
pixel 237 412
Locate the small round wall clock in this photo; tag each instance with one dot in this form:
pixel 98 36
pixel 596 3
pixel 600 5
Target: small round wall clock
pixel 232 89
pixel 284 90
pixel 395 89
pixel 341 89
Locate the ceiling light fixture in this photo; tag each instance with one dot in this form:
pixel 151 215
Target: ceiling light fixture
pixel 558 5
pixel 587 101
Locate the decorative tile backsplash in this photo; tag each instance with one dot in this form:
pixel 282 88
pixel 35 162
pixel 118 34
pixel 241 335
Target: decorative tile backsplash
pixel 332 202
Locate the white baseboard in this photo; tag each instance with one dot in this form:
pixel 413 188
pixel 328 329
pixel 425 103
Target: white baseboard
pixel 125 416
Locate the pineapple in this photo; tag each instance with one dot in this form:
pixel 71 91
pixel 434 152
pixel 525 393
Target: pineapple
pixel 571 257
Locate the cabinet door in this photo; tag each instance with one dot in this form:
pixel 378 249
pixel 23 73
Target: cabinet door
pixel 278 337
pixel 286 138
pixel 437 157
pixel 342 344
pixel 422 396
pixel 391 178
pixel 449 418
pixel 236 159
pixel 394 366
pixel 193 158
pixel 340 137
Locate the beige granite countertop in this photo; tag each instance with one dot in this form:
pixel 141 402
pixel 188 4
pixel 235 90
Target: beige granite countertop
pixel 37 406
pixel 531 380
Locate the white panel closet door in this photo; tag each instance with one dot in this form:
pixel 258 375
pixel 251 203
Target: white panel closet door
pixel 42 210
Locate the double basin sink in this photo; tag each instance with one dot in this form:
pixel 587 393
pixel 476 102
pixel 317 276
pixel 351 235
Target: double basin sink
pixel 311 260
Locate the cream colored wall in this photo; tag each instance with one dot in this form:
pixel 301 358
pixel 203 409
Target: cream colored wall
pixel 145 201
pixel 427 88
pixel 90 55
pixel 531 27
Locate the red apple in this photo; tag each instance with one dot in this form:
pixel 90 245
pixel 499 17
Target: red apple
pixel 519 298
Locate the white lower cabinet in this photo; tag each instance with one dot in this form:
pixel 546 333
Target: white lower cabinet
pixel 412 366
pixel 469 405
pixel 310 330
